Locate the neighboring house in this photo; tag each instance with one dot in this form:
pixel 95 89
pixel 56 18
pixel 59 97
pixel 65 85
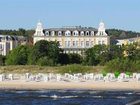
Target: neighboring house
pixel 73 39
pixel 127 41
pixel 7 43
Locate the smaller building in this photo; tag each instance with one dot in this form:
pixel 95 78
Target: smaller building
pixel 128 41
pixel 7 43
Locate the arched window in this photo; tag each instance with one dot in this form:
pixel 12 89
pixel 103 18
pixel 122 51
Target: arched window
pixel 47 33
pixel 67 33
pixel 59 33
pixel 52 33
pixel 82 33
pixel 87 33
pixel 75 33
pixel 92 33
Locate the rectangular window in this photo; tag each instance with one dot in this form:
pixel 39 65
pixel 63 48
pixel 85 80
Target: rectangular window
pixel 92 43
pixel 77 43
pixel 99 42
pixel 68 43
pixel 82 43
pixel 87 43
pixel 74 44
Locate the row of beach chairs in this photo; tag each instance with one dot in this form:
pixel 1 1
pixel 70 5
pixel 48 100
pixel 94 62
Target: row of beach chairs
pixel 71 77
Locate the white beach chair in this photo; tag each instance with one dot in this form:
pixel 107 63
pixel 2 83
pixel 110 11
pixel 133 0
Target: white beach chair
pixel 2 77
pixel 110 77
pixel 38 77
pixel 46 78
pixel 10 77
pixel 27 75
pixel 98 77
pixel 134 76
pixel 58 77
pixel 138 77
pixel 123 77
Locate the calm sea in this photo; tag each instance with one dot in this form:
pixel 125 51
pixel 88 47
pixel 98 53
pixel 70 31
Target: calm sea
pixel 67 97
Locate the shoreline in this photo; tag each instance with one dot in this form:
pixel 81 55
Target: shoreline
pixel 90 85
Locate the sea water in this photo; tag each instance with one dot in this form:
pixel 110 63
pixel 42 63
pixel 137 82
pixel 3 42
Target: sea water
pixel 67 97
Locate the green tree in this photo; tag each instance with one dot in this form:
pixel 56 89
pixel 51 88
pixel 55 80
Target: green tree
pixel 63 59
pixel 116 51
pixel 39 50
pixel 131 50
pixel 44 48
pixel 18 56
pixel 2 60
pixel 75 58
pixel 21 32
pixel 45 61
pixel 99 54
pixel 54 51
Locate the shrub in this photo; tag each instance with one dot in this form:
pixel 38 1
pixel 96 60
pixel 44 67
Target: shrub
pixel 45 61
pixel 116 73
pixel 75 68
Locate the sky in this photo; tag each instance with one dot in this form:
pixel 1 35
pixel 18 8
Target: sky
pixel 119 14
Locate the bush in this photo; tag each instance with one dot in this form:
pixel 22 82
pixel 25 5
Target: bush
pixel 122 65
pixel 116 73
pixel 104 73
pixel 18 56
pixel 45 61
pixel 75 58
pixel 75 68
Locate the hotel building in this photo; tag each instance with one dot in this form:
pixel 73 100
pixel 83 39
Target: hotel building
pixel 73 39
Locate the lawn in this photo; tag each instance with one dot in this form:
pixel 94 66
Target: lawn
pixel 19 69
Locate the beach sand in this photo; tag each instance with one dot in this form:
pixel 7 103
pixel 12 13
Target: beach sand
pixel 20 84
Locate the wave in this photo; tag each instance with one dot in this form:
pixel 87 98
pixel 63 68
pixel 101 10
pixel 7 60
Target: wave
pixel 20 92
pixel 97 96
pixel 43 96
pixel 129 93
pixel 62 97
pixel 121 97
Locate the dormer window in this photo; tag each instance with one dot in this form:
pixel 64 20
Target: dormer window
pixel 59 33
pixel 67 33
pixel 87 33
pixel 75 33
pixel 82 33
pixel 52 33
pixel 92 33
pixel 47 33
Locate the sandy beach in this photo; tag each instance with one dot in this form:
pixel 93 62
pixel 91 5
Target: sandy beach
pixel 19 84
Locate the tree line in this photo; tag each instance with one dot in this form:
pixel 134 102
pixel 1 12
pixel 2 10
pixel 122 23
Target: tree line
pixel 124 58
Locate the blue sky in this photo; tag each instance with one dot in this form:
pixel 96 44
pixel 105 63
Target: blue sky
pixel 121 14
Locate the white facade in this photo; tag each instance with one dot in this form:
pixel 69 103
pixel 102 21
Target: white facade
pixel 7 43
pixel 73 39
